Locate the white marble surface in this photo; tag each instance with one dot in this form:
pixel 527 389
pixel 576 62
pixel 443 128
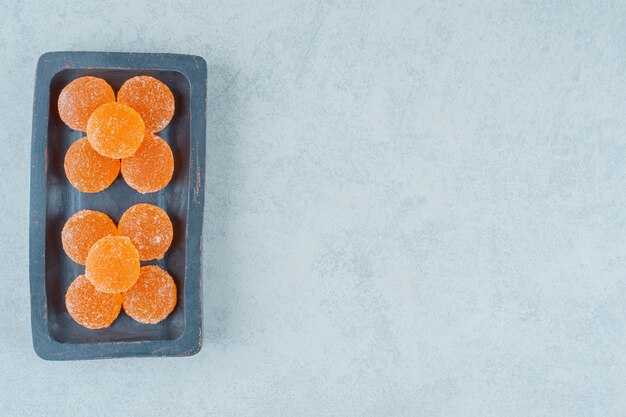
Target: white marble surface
pixel 412 209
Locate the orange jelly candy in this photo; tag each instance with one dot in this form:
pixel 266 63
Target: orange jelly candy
pixel 149 228
pixel 115 130
pixel 112 264
pixel 89 307
pixel 152 298
pixel 151 167
pixel 80 98
pixel 87 170
pixel 151 98
pixel 82 230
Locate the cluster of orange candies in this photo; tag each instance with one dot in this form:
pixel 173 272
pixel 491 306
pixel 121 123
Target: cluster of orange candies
pixel 113 275
pixel 120 136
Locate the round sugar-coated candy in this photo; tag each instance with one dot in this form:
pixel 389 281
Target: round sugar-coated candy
pixel 149 228
pixel 82 230
pixel 151 98
pixel 89 307
pixel 151 167
pixel 87 170
pixel 152 298
pixel 115 130
pixel 80 98
pixel 113 264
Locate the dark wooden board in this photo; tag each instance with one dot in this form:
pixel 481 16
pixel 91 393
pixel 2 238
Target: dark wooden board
pixel 53 200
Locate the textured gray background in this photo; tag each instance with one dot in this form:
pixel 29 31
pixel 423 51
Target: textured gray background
pixel 412 209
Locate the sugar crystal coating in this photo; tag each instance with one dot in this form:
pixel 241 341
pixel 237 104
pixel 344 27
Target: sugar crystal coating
pixel 80 98
pixel 115 130
pixel 151 167
pixel 82 230
pixel 152 298
pixel 151 98
pixel 89 307
pixel 149 228
pixel 87 170
pixel 113 264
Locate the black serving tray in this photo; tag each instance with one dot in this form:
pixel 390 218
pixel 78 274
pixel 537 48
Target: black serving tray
pixel 53 200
